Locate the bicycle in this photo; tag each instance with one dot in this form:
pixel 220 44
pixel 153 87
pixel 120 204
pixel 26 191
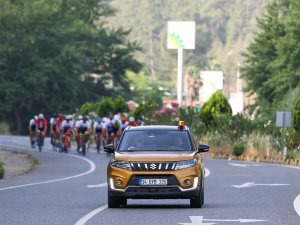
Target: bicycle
pixel 83 139
pixel 98 141
pixel 40 140
pixel 32 139
pixel 66 142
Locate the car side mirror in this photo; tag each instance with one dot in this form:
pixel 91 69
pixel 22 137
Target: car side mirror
pixel 203 148
pixel 109 148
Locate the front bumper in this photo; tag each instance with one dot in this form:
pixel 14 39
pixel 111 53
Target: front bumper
pixel 155 192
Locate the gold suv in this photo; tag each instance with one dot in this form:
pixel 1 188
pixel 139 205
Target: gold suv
pixel 156 162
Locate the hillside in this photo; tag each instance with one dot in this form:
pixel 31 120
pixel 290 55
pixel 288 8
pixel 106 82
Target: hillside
pixel 223 30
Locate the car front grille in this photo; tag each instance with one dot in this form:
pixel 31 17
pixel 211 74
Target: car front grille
pixel 153 166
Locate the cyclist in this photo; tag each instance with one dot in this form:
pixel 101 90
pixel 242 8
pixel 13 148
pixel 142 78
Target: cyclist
pixel 66 129
pixel 76 126
pixel 32 131
pixel 41 123
pixel 117 128
pixel 132 122
pixel 109 128
pixel 53 128
pixel 124 122
pixel 84 128
pixel 98 137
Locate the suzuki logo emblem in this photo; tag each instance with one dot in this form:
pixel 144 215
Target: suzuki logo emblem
pixel 153 166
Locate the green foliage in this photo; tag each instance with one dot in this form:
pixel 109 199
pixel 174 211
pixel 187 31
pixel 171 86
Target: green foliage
pixel 120 105
pixel 4 128
pixel 86 108
pixel 47 51
pixel 2 171
pixel 146 110
pixel 296 116
pixel 192 120
pixel 105 106
pixel 223 28
pixel 217 106
pixel 271 66
pixel 291 155
pixel 238 148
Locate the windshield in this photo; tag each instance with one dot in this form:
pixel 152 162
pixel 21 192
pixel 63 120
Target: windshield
pixel 155 141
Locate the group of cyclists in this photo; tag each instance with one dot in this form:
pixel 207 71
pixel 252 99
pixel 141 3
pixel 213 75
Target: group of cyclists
pixel 65 129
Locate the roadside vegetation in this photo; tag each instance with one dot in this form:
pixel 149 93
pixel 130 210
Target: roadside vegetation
pixel 2 171
pixel 13 163
pixel 86 61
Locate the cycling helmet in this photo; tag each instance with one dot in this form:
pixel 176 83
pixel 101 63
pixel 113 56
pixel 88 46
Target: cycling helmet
pixel 99 120
pixel 131 119
pixel 41 116
pixel 116 117
pixel 85 119
pixel 35 117
pixel 60 116
pixel 80 117
pixel 54 115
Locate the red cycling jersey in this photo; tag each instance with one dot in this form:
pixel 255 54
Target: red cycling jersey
pixel 41 124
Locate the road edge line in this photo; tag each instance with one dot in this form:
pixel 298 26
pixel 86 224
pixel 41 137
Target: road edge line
pixel 297 205
pixel 92 169
pixel 88 216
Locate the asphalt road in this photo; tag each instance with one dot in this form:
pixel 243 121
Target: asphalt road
pixel 71 189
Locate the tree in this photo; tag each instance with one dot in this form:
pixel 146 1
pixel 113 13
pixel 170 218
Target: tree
pixel 217 106
pixel 105 106
pixel 120 105
pixel 296 116
pixel 47 51
pixel 271 66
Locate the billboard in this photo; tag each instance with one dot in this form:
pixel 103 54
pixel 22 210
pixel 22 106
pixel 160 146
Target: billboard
pixel 236 101
pixel 181 35
pixel 212 81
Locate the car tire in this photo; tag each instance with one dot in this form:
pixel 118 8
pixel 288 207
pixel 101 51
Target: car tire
pixel 116 202
pixel 198 200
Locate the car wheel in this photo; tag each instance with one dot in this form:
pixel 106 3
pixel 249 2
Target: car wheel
pixel 115 202
pixel 198 200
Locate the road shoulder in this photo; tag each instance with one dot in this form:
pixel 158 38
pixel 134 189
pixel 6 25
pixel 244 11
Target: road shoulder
pixel 16 163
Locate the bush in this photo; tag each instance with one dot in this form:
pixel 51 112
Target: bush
pixel 296 116
pixel 217 106
pixel 238 148
pixel 291 155
pixel 1 170
pixel 4 128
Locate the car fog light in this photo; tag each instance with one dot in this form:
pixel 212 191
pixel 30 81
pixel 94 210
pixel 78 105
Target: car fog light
pixel 187 182
pixel 119 182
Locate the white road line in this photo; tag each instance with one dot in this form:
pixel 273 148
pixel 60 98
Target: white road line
pixel 92 169
pixel 297 205
pixel 206 172
pixel 88 216
pixel 97 185
pixel 238 165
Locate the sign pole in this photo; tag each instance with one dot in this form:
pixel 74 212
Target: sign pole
pixel 283 125
pixel 179 76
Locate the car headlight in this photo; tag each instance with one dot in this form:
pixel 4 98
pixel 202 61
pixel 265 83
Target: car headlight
pixel 121 164
pixel 185 164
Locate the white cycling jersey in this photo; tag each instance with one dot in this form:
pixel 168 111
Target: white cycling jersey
pixel 52 121
pixel 32 122
pixel 98 125
pixel 83 124
pixel 66 124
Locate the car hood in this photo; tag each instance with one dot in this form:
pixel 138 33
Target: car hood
pixel 157 156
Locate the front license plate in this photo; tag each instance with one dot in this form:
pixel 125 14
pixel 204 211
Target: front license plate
pixel 153 181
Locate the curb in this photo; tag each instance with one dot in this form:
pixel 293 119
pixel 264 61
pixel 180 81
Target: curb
pixel 257 159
